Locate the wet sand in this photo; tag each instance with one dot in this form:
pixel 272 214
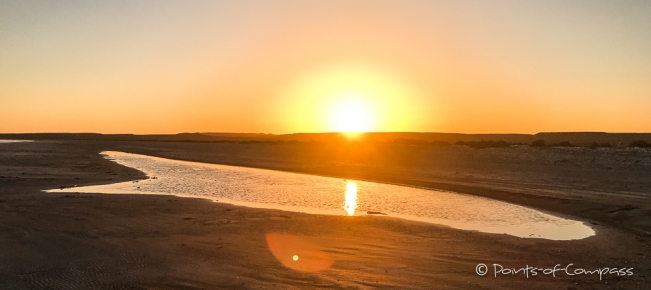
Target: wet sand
pixel 81 241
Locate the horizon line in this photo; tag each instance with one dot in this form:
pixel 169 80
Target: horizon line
pixel 331 132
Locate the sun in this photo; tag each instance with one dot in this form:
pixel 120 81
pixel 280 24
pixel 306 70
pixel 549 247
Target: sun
pixel 352 98
pixel 351 116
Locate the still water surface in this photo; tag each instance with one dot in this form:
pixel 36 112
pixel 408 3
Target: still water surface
pixel 14 141
pixel 326 195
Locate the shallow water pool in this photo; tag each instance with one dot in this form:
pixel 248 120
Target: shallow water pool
pixel 326 195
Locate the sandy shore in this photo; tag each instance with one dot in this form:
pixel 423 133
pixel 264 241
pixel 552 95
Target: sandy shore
pixel 70 241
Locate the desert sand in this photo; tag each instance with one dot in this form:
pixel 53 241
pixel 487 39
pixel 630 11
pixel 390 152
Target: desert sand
pixel 82 241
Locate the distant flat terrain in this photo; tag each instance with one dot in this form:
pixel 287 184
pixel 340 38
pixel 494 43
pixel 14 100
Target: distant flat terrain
pixel 576 138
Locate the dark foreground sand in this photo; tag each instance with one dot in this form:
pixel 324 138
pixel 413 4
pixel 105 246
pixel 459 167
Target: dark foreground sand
pixel 82 241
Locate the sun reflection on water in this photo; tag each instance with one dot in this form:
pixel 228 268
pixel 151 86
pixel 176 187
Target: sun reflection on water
pixel 350 204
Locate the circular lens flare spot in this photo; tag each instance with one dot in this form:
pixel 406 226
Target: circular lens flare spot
pixel 287 249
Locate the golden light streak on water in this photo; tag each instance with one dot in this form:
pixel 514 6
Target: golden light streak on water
pixel 350 204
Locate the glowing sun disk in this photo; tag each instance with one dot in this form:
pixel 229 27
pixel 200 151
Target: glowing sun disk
pixel 351 118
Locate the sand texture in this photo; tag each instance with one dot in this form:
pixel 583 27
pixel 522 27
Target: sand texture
pixel 101 241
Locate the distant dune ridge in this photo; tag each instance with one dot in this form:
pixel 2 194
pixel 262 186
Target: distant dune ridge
pixel 550 138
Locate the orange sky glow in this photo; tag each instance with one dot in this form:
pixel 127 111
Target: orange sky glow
pixel 320 66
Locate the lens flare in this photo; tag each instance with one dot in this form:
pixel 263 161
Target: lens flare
pixel 288 248
pixel 350 203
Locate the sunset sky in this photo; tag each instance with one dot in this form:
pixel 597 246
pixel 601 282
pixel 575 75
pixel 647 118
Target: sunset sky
pixel 317 66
